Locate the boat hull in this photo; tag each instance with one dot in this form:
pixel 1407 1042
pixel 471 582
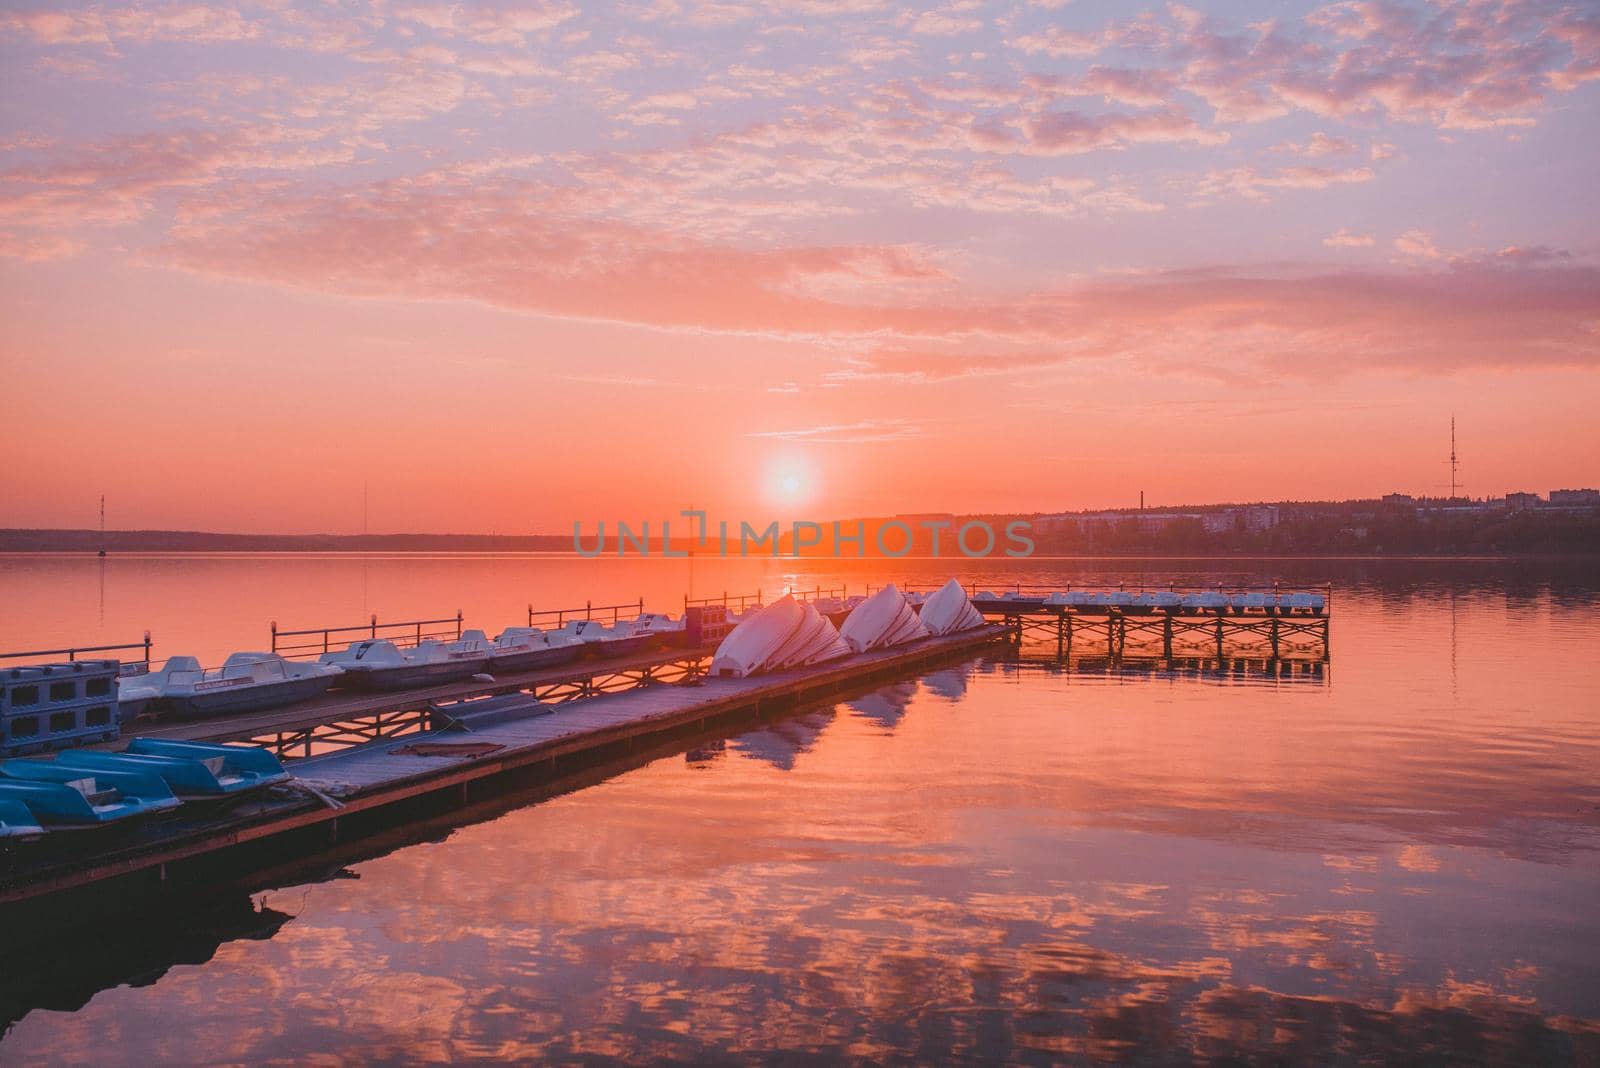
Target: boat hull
pixel 550 656
pixel 409 676
pixel 250 698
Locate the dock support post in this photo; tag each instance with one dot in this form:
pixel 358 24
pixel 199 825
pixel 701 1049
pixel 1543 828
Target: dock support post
pixel 1273 632
pixel 1219 639
pixel 1166 638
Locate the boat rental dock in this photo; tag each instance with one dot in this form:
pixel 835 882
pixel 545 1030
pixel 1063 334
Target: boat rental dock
pixel 368 787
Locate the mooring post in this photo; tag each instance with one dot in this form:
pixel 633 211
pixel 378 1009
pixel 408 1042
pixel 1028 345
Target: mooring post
pixel 274 626
pixel 1219 639
pixel 458 624
pixel 147 650
pixel 374 630
pixel 1274 634
pixel 1166 637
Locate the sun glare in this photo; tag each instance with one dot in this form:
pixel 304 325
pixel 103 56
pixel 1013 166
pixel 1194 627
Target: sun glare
pixel 790 481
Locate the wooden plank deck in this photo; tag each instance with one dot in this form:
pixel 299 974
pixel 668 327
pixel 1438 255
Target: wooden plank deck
pixel 370 778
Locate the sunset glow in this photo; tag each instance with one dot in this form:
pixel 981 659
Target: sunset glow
pixel 493 267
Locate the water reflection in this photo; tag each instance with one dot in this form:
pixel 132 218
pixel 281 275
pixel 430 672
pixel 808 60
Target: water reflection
pixel 1020 858
pixel 782 743
pixel 133 955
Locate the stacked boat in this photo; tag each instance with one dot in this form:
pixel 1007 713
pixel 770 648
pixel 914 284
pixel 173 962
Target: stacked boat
pixel 883 620
pixel 88 787
pixel 784 634
pixel 948 610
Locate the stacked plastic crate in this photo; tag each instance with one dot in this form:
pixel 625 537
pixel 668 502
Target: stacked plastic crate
pixel 58 706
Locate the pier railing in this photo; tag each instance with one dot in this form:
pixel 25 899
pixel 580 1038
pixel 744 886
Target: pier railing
pixel 1022 589
pixel 553 618
pixel 137 666
pixel 314 641
pixel 741 602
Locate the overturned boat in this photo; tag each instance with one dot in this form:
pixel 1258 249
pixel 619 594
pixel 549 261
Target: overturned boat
pixel 885 619
pixel 383 665
pixel 246 682
pixel 948 610
pixel 784 634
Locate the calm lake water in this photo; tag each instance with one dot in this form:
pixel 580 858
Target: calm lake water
pixel 1392 855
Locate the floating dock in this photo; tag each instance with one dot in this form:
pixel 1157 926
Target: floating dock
pixel 368 787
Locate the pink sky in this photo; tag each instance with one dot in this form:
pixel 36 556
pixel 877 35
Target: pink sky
pixel 511 265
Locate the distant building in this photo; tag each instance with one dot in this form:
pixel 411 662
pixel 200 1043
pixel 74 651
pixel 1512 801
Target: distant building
pixel 1575 496
pixel 1521 502
pixel 1399 500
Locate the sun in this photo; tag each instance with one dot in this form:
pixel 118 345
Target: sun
pixel 790 481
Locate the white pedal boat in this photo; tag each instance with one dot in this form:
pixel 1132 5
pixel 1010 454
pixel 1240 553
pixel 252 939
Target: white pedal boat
pixel 529 648
pixel 246 682
pixel 382 665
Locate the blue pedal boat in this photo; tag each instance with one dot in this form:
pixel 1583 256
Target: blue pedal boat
pixel 59 794
pixel 250 765
pixel 214 771
pixel 18 821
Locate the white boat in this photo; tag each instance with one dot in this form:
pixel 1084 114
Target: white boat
pixel 784 634
pixel 948 610
pixel 246 682
pixel 619 639
pixel 383 665
pixel 528 648
pixel 664 628
pixel 885 619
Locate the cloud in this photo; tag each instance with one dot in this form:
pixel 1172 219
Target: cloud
pixel 867 431
pixel 1417 243
pixel 527 246
pixel 1070 132
pixel 1343 238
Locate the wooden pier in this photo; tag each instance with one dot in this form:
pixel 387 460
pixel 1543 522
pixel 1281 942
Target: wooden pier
pixel 339 719
pixel 389 781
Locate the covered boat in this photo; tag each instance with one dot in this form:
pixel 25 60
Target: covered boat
pixel 784 634
pixel 246 682
pixel 383 665
pixel 885 619
pixel 528 648
pixel 948 610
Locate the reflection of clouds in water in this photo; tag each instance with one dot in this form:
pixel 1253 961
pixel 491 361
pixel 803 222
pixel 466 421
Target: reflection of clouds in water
pixel 1045 869
pixel 887 705
pixel 782 743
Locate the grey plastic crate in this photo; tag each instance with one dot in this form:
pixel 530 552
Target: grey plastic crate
pixel 58 706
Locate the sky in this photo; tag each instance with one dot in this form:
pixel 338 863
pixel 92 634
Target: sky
pixel 501 267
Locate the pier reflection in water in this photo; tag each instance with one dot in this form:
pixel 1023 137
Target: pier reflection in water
pixel 1024 857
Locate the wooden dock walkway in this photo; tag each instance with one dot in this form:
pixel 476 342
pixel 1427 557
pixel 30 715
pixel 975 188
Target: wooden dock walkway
pixel 367 788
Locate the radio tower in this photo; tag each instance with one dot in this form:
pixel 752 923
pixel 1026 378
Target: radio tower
pixel 1454 464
